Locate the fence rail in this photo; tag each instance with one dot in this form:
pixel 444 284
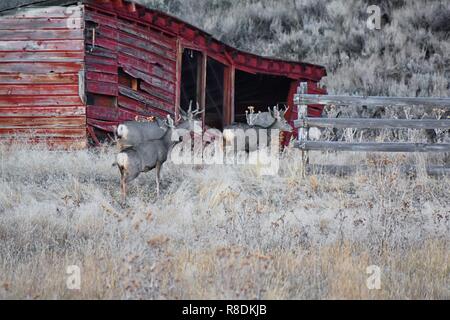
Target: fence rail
pixel 374 146
pixel 343 170
pixel 304 122
pixel 370 101
pixel 361 123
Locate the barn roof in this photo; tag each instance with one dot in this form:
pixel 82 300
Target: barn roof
pixel 243 60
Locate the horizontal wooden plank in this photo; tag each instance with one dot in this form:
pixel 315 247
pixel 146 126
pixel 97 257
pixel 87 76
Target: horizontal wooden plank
pixel 27 101
pixel 100 52
pixel 151 80
pixel 146 99
pixel 57 56
pixel 106 88
pixel 128 40
pixel 40 67
pixel 154 69
pixel 147 34
pixel 43 133
pixel 42 122
pixel 102 68
pixel 105 31
pixel 102 77
pixel 102 113
pixel 371 101
pixel 374 123
pixel 139 108
pixel 374 146
pixel 129 61
pixel 108 126
pixel 23 34
pixel 92 59
pixel 101 42
pixel 41 24
pixel 52 142
pixel 47 45
pixel 35 89
pixel 48 78
pixel 156 92
pixel 100 19
pixel 42 111
pixel 48 11
pixel 154 59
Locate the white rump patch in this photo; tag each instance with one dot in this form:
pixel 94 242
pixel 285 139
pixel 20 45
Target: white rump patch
pixel 122 160
pixel 122 131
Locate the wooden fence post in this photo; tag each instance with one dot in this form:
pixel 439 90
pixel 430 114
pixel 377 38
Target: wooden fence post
pixel 302 113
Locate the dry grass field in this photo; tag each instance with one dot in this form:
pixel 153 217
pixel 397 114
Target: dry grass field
pixel 220 232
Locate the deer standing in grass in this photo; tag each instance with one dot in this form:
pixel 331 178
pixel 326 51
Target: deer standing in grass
pixel 151 154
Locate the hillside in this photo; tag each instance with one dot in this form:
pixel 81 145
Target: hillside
pixel 407 57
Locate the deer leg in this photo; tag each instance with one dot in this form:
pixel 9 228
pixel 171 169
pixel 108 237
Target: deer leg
pixel 123 189
pixel 158 177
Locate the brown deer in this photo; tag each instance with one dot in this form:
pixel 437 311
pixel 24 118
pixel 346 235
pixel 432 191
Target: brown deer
pixel 151 154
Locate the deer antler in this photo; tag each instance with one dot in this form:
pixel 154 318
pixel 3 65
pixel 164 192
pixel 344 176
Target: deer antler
pixel 197 111
pixel 276 112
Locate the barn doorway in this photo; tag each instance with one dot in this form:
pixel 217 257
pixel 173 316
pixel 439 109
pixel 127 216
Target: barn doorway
pixel 214 114
pixel 258 90
pixel 190 78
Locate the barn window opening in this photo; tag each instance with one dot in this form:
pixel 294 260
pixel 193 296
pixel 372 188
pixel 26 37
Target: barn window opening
pixel 190 78
pixel 214 113
pixel 101 100
pixel 258 90
pixel 128 81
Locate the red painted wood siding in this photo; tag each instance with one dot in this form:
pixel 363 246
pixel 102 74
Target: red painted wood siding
pixel 114 42
pixel 41 66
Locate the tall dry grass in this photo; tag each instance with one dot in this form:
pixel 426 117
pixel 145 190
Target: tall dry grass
pixel 220 232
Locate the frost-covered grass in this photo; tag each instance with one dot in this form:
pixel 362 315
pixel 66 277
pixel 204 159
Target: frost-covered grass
pixel 219 232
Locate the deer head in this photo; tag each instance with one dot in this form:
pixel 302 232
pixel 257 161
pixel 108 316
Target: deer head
pixel 190 115
pixel 280 121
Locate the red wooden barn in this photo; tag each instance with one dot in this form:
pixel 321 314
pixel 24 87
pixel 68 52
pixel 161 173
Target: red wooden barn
pixel 72 70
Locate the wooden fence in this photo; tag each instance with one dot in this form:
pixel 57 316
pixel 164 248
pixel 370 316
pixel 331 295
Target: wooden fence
pixel 303 123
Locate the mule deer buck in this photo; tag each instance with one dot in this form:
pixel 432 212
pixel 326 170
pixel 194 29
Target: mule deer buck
pixel 151 154
pixel 232 132
pixel 131 133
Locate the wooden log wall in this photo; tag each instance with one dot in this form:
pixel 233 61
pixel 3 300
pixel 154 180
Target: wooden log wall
pixel 131 69
pixel 42 76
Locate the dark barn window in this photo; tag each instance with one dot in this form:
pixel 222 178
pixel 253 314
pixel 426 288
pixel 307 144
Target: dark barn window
pixel 190 78
pixel 214 114
pixel 258 90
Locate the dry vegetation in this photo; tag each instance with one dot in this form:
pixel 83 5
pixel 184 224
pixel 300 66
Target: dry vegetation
pixel 227 232
pixel 219 232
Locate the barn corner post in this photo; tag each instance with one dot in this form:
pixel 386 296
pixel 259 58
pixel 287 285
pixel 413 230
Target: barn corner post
pixel 302 110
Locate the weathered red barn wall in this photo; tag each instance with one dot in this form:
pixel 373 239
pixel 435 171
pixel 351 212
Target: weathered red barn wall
pixel 142 53
pixel 147 45
pixel 41 76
